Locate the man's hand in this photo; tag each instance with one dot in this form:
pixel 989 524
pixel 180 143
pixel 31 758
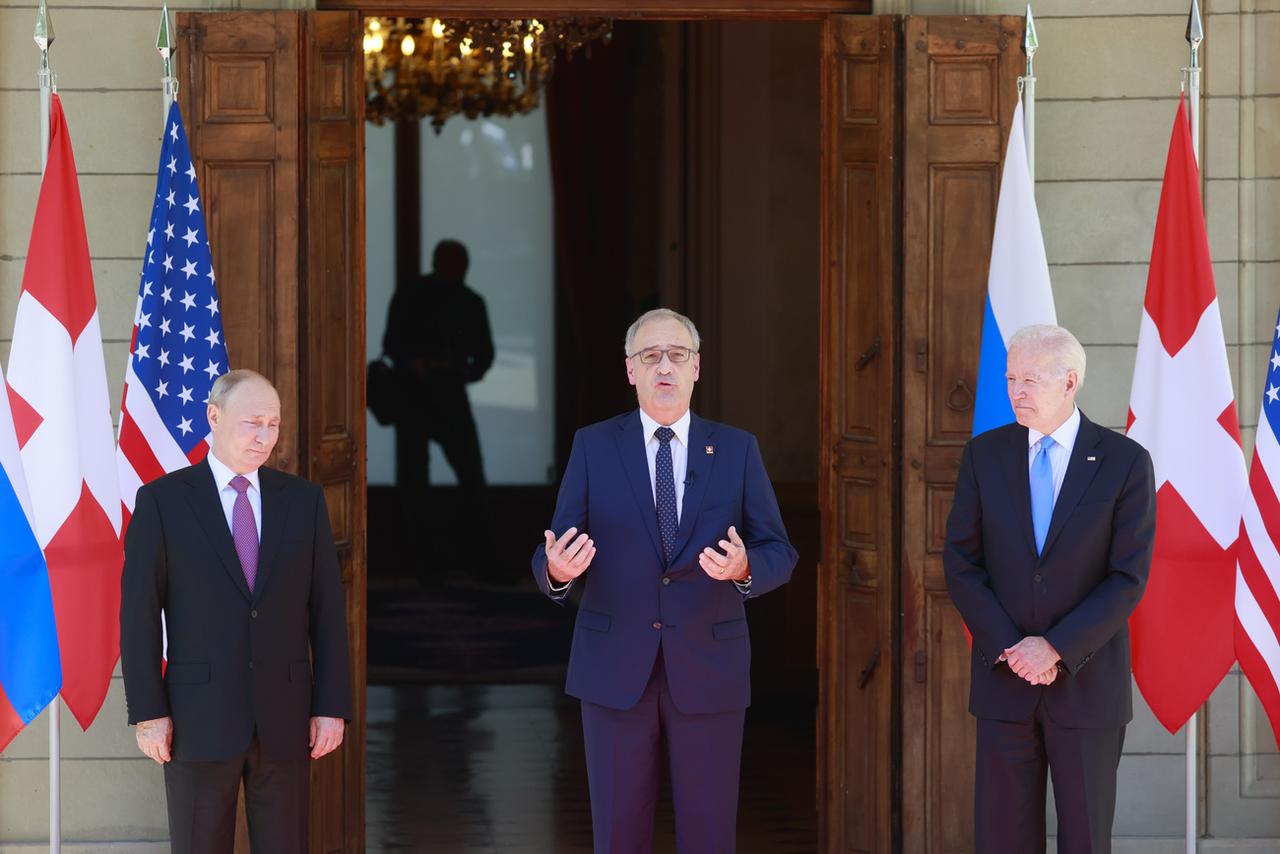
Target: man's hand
pixel 731 565
pixel 1045 678
pixel 155 738
pixel 568 558
pixel 1031 657
pixel 326 735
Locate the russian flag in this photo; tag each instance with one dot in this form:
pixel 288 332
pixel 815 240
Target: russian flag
pixel 1018 290
pixel 30 667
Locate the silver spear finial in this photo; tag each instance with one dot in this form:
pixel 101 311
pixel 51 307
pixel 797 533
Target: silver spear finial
pixel 1195 27
pixel 164 42
pixel 44 28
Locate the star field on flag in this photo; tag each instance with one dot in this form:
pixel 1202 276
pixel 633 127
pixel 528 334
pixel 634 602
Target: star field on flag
pixel 178 348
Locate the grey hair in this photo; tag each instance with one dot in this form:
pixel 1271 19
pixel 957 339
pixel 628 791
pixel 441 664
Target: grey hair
pixel 1067 353
pixel 662 314
pixel 227 383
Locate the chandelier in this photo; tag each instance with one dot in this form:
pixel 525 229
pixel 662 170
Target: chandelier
pixel 415 68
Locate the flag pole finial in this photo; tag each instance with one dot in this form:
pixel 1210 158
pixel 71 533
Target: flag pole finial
pixel 44 29
pixel 1030 42
pixel 164 40
pixel 1195 26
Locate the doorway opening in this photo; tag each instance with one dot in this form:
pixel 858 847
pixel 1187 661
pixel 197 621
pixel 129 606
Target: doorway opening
pixel 679 165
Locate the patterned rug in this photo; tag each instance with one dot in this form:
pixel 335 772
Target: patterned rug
pixel 454 632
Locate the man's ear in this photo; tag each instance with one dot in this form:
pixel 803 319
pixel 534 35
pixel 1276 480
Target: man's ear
pixel 631 372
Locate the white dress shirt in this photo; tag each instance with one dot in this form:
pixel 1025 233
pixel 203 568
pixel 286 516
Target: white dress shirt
pixel 222 476
pixel 679 456
pixel 1060 454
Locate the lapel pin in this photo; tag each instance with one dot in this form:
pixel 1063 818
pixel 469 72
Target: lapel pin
pixel 711 449
pixel 1092 459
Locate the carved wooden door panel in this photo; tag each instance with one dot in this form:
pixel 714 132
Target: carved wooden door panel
pixel 273 103
pixel 859 389
pixel 960 90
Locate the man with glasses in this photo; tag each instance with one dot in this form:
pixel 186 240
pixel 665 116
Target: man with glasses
pixel 668 523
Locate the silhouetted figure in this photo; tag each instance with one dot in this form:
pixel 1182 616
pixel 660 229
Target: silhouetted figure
pixel 439 341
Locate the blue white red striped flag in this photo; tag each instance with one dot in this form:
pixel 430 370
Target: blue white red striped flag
pixel 1018 289
pixel 30 671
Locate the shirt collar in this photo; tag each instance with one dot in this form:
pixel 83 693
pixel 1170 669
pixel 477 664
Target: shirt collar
pixel 681 427
pixel 1065 435
pixel 222 475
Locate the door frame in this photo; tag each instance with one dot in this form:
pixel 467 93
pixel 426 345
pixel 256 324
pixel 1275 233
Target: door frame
pixel 718 10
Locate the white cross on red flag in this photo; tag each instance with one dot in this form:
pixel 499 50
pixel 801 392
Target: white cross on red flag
pixel 1182 410
pixel 62 414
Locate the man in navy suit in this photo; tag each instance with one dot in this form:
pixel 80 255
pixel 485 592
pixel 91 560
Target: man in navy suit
pixel 683 529
pixel 1048 547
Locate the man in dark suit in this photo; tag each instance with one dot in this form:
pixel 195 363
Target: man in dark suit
pixel 438 338
pixel 240 559
pixel 684 527
pixel 1048 547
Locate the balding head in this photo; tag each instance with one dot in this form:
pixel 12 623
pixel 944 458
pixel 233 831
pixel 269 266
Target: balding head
pixel 244 415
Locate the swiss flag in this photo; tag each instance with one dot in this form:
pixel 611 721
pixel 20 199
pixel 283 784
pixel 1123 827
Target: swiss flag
pixel 1182 409
pixel 58 392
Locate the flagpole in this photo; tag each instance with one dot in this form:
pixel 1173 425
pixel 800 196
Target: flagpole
pixel 44 40
pixel 166 49
pixel 1028 84
pixel 1195 35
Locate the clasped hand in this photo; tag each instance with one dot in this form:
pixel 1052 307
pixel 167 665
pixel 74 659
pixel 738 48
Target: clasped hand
pixel 1034 659
pixel 155 737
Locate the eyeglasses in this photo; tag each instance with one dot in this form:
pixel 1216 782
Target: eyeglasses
pixel 653 355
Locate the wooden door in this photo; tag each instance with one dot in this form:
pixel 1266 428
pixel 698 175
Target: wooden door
pixel 960 90
pixel 859 455
pixel 273 103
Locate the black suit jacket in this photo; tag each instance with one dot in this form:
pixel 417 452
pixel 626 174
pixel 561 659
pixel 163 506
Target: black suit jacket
pixel 238 663
pixel 1077 594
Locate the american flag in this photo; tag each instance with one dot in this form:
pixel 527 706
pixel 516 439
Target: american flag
pixel 178 348
pixel 1258 567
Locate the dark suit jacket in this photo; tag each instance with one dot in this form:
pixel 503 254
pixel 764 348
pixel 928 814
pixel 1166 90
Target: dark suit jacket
pixel 1077 594
pixel 237 663
pixel 632 600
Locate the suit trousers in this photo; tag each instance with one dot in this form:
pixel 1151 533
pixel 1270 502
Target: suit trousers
pixel 1009 796
pixel 202 803
pixel 624 755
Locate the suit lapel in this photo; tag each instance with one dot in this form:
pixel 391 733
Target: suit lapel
pixel 634 462
pixel 203 497
pixel 1083 465
pixel 698 475
pixel 275 512
pixel 1018 474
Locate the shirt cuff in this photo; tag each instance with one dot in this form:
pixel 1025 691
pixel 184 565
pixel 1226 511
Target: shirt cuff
pixel 744 587
pixel 558 589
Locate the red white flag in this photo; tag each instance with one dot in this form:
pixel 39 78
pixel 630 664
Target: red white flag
pixel 1258 578
pixel 62 413
pixel 1182 409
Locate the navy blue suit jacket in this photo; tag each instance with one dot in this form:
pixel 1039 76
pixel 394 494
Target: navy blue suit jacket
pixel 1078 593
pixel 633 603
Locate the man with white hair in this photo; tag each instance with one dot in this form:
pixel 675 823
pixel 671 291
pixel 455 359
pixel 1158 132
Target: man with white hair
pixel 668 523
pixel 1048 547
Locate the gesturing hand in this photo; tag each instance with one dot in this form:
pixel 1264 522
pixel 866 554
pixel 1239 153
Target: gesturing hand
pixel 731 565
pixel 155 738
pixel 1031 657
pixel 568 558
pixel 326 735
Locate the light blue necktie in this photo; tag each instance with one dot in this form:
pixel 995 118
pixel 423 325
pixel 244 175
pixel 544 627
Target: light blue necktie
pixel 1042 492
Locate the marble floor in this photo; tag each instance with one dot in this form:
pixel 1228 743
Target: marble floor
pixel 459 769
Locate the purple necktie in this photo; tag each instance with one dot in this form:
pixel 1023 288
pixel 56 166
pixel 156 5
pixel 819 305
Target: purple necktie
pixel 244 530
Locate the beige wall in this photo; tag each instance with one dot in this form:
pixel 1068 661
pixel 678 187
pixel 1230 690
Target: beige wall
pixel 108 75
pixel 1107 86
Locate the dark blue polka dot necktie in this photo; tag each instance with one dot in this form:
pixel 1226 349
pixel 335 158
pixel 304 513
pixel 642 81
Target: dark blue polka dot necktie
pixel 665 482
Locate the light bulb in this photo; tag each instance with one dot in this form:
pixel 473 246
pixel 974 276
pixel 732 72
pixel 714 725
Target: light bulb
pixel 437 29
pixel 374 25
pixel 528 44
pixel 407 46
pixel 375 41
